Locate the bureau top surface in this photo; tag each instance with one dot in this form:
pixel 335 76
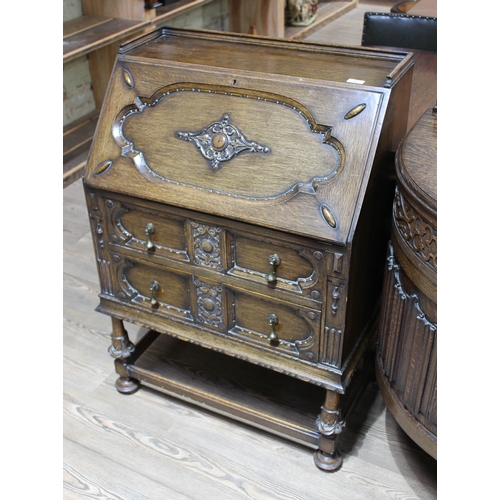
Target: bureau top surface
pixel 286 58
pixel 272 132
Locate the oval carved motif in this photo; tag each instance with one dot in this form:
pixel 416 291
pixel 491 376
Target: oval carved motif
pixel 328 215
pixel 355 111
pixel 127 77
pixel 102 167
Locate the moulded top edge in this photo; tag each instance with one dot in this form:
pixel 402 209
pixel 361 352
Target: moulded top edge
pixel 378 67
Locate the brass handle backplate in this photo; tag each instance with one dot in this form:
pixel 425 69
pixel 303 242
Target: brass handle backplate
pixel 154 288
pixel 274 261
pixel 273 321
pixel 149 230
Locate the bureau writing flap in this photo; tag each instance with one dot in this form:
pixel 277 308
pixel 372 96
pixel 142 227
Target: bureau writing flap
pixel 275 150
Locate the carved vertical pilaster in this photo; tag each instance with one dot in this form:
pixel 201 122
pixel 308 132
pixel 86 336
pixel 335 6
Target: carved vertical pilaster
pixel 97 223
pixel 331 345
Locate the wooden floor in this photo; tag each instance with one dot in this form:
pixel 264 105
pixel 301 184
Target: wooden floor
pixel 151 446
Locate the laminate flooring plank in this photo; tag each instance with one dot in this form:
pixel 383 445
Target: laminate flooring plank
pixel 206 452
pixel 372 431
pixel 199 472
pixel 89 475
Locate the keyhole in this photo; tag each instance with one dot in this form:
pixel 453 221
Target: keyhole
pixel 234 83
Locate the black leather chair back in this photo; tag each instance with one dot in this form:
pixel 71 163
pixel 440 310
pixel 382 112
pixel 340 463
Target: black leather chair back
pixel 400 30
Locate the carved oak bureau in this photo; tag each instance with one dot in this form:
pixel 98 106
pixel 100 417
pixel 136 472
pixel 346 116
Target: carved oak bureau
pixel 239 200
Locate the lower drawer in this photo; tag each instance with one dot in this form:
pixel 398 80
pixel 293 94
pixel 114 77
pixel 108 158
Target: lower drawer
pixel 155 289
pixel 253 320
pixel 281 327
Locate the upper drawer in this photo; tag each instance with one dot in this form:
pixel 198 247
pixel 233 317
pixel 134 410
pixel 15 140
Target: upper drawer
pixel 146 230
pixel 277 264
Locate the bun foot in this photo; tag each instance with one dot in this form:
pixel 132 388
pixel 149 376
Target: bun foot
pixel 327 462
pixel 126 385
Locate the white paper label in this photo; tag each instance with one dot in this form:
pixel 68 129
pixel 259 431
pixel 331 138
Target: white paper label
pixel 353 80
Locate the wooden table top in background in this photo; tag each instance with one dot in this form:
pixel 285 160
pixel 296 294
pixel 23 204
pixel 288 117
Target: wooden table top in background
pixel 424 8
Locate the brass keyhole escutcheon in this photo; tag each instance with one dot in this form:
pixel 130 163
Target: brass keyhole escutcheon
pixel 154 288
pixel 274 261
pixel 219 141
pixel 273 321
pixel 149 229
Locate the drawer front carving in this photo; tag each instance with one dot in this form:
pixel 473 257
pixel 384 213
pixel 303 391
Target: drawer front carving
pixel 207 245
pixel 210 304
pixel 148 231
pixel 280 327
pixel 255 320
pixel 156 289
pixel 277 265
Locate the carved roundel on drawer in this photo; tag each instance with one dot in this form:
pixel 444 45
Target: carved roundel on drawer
pixel 207 245
pixel 234 142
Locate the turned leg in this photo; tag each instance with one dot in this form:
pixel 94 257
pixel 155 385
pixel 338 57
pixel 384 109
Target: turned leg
pixel 330 425
pixel 121 348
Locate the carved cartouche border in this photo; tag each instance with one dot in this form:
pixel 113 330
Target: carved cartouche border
pixel 141 103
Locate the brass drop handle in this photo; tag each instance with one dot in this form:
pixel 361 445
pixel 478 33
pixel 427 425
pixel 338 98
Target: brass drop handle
pixel 149 230
pixel 273 321
pixel 154 288
pixel 274 261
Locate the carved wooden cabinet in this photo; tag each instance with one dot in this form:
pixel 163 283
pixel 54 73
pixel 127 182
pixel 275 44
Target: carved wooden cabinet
pixel 239 200
pixel 407 355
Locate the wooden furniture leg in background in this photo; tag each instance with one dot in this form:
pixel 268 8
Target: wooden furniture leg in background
pixel 121 348
pixel 330 424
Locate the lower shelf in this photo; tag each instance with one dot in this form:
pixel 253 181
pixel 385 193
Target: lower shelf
pixel 248 393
